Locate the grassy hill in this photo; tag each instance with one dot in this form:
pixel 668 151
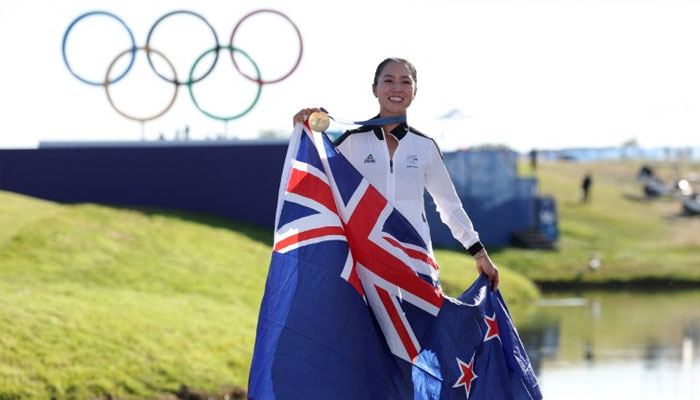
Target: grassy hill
pixel 134 303
pixel 637 240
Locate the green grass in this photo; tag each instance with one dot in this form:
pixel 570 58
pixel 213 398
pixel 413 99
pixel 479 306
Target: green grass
pixel 637 240
pixel 97 300
pixel 457 272
pixel 134 303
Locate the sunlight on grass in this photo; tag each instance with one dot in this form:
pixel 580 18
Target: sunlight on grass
pixel 635 238
pixel 98 300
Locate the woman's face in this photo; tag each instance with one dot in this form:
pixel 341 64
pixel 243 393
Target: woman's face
pixel 395 89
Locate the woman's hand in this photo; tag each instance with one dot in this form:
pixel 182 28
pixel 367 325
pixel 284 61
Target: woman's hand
pixel 484 265
pixel 303 115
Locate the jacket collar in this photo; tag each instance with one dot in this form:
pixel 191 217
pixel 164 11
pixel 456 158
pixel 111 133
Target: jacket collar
pixel 399 132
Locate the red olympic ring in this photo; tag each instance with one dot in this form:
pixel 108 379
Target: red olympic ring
pixel 296 64
pixel 191 80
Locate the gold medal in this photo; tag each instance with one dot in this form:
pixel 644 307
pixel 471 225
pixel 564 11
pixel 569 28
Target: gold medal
pixel 318 121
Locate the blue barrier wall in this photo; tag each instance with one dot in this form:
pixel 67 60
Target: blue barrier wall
pixel 241 182
pixel 496 199
pixel 546 220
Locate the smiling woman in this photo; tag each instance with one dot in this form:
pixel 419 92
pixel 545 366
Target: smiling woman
pixel 402 163
pixel 395 86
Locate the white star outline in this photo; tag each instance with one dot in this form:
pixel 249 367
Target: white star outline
pixel 488 331
pixel 462 366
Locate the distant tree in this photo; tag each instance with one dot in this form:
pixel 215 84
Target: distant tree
pixel 627 147
pixel 631 143
pixel 492 147
pixel 273 134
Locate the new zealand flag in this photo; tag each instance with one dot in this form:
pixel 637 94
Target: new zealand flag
pixel 353 307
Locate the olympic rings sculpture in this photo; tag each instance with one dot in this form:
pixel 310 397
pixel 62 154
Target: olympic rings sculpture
pixel 191 80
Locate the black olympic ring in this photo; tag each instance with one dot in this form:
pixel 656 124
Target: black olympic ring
pixel 191 80
pixel 216 44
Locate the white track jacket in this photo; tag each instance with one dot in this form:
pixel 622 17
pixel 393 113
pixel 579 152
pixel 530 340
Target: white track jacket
pixel 416 165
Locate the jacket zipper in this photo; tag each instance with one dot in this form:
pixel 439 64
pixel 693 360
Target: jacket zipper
pixel 390 176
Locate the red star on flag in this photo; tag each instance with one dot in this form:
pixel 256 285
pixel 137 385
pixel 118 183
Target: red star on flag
pixel 467 376
pixel 492 331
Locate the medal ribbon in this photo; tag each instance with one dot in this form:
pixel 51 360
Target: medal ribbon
pixel 370 122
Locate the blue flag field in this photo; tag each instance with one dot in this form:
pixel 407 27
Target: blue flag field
pixel 353 307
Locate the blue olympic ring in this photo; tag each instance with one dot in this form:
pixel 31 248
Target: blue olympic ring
pixel 191 80
pixel 131 36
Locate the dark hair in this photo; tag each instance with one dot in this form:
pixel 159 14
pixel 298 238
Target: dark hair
pixel 397 60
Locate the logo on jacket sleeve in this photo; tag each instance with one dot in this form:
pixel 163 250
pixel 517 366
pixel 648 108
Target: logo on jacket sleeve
pixel 370 159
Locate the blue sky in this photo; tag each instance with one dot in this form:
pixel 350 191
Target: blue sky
pixel 544 74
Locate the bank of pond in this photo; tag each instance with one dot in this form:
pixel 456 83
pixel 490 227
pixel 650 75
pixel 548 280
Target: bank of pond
pixel 611 344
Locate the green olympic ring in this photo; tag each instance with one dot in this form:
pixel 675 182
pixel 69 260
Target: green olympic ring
pixel 190 83
pixel 191 80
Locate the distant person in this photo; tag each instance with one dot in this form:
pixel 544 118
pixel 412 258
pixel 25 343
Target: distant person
pixel 586 187
pixel 645 172
pixel 187 132
pixel 588 352
pixel 533 159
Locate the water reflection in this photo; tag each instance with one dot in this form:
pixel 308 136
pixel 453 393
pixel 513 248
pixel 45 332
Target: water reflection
pixel 613 345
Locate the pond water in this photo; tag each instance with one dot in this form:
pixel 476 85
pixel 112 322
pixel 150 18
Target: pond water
pixel 615 345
